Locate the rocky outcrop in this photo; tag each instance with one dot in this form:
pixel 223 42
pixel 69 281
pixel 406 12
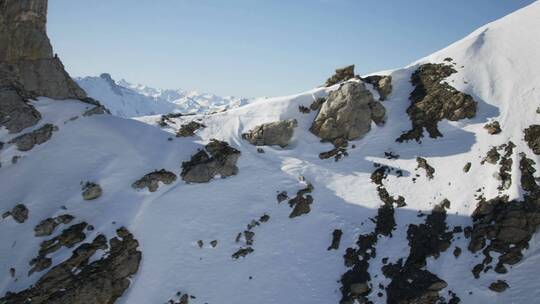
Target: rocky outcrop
pixel 532 137
pixel 152 179
pixel 27 141
pixel 272 134
pixel 217 158
pixel 85 279
pixel 27 53
pixel 189 129
pixel 15 112
pixel 19 213
pixel 383 85
pixel 433 100
pixel 46 227
pixel 91 191
pixel 493 128
pixel 347 113
pixel 336 239
pixel 341 75
pixel 422 163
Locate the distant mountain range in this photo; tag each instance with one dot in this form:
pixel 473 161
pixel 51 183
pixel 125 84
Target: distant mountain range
pixel 125 99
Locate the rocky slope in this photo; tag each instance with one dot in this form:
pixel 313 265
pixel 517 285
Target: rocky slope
pixel 436 203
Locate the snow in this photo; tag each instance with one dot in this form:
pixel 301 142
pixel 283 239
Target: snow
pixel 129 100
pixel 290 263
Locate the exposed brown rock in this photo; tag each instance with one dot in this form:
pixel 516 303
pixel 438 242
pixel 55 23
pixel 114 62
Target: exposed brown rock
pixel 26 142
pixel 217 158
pixel 189 129
pixel 433 100
pixel 341 75
pixel 91 191
pixel 532 137
pixel 493 128
pixel 498 286
pixel 277 133
pixel 19 213
pixel 383 85
pixel 152 179
pixel 422 163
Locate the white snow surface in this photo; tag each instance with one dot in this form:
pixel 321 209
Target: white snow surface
pixel 498 65
pixel 125 99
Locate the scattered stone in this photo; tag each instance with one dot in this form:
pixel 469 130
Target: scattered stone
pixel 97 110
pixel 433 100
pixel 336 239
pixel 304 109
pixel 457 252
pixel 91 191
pixel 383 85
pixel 27 141
pixel 493 128
pixel 214 243
pixel 341 75
pixel 282 196
pixel 492 156
pixel 301 202
pixel 532 137
pixel 77 280
pixel 152 179
pixel 264 218
pixel 202 167
pixel 12 272
pixel 498 286
pixel 467 167
pixel 19 213
pixel 270 134
pixel 248 236
pixel 347 113
pixel 260 150
pixel 200 243
pixel 15 159
pixel 422 163
pixel 189 129
pixel 242 252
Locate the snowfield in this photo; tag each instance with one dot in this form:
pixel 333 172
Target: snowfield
pixel 499 65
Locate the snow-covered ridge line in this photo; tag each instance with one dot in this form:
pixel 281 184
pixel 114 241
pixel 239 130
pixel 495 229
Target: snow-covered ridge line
pixel 132 100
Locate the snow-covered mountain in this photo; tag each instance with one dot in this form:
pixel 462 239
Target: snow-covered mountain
pixel 448 213
pixel 129 100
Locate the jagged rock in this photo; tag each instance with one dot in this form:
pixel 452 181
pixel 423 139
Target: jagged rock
pixel 27 141
pixel 532 137
pixel 91 191
pixel 492 156
pixel 189 129
pixel 498 286
pixel 336 238
pixel 19 213
pixel 301 202
pixel 152 179
pixel 28 52
pixel 317 104
pixel 221 159
pixel 493 128
pixel 15 112
pixel 422 163
pixel 275 133
pixel 79 281
pixel 341 75
pixel 346 113
pixel 47 226
pixel 242 252
pixel 433 100
pixel 303 109
pixel 383 85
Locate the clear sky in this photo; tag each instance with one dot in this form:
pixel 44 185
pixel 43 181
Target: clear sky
pixel 256 47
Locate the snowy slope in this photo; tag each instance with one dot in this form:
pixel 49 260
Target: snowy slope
pixel 128 100
pixel 290 263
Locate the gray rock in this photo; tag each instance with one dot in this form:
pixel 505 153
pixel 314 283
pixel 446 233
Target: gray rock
pixel 498 286
pixel 383 85
pixel 189 129
pixel 532 137
pixel 346 114
pixel 27 141
pixel 47 226
pixel 378 113
pixel 91 191
pixel 152 179
pixel 493 128
pixel 19 213
pixel 15 113
pixel 272 134
pixel 217 158
pixel 341 75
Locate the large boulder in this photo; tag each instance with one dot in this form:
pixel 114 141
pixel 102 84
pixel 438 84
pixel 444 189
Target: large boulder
pixel 277 133
pixel 217 158
pixel 347 113
pixel 152 179
pixel 28 53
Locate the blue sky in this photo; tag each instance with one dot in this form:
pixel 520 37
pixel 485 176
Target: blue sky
pixel 256 47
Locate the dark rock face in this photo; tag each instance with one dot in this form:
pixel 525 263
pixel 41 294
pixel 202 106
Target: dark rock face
pixel 383 84
pixel 79 281
pixel 26 142
pixel 19 213
pixel 532 137
pixel 433 101
pixel 217 158
pixel 46 227
pixel 189 129
pixel 508 225
pixel 152 179
pixel 15 112
pixel 336 239
pixel 272 134
pixel 493 128
pixel 341 75
pixel 347 113
pixel 301 202
pixel 28 53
